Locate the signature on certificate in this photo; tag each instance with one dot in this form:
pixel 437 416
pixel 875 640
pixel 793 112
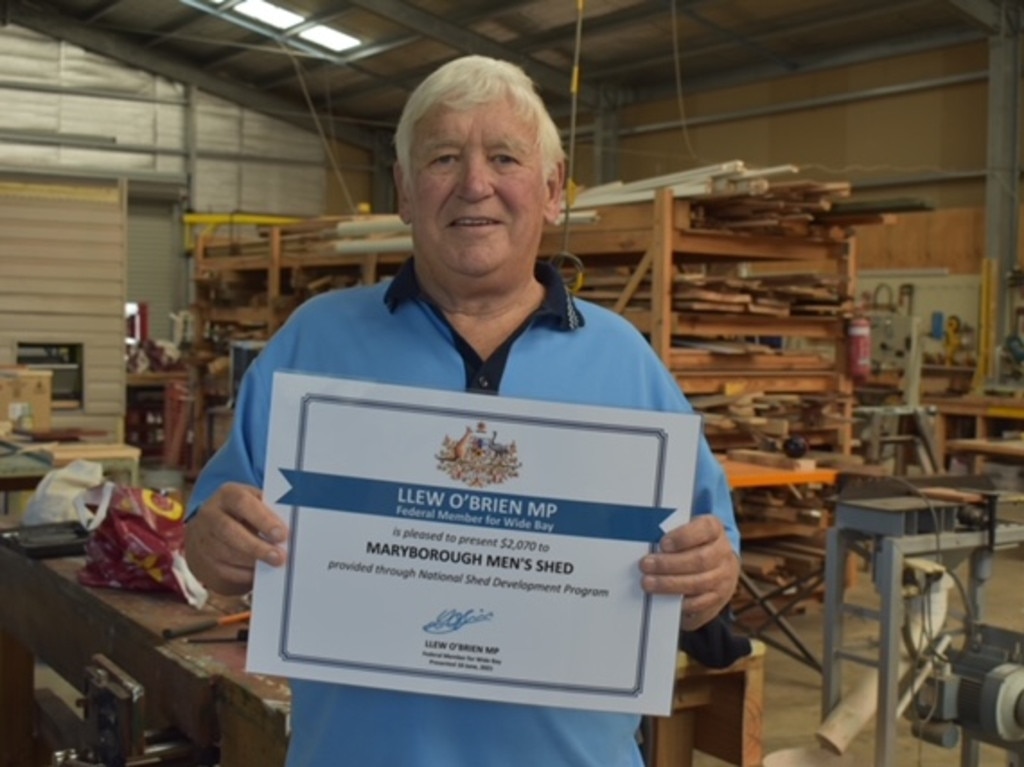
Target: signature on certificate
pixel 453 620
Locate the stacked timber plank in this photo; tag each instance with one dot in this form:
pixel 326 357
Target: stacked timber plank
pixel 247 287
pixel 730 196
pixel 783 529
pixel 765 420
pixel 721 327
pixel 742 278
pixel 770 295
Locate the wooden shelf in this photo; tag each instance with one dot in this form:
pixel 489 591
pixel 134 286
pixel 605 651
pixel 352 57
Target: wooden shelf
pixel 650 247
pixel 247 289
pixel 640 261
pixel 627 230
pixel 797 382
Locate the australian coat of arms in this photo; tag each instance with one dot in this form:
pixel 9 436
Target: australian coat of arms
pixel 477 459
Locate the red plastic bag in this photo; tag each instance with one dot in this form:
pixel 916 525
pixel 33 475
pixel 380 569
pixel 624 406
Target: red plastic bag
pixel 137 542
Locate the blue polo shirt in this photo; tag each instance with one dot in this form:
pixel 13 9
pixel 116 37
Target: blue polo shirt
pixel 567 351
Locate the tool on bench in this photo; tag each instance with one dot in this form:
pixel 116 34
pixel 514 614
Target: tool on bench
pixel 195 628
pixel 33 451
pixel 242 635
pixel 53 539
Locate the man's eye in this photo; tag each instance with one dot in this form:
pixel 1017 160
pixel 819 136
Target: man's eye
pixel 443 159
pixel 505 159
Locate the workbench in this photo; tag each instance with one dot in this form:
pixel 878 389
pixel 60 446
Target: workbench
pixel 204 693
pixel 199 689
pixel 742 475
pixel 977 451
pixel 23 471
pixel 980 414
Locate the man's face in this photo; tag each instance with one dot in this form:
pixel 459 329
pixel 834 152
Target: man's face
pixel 476 194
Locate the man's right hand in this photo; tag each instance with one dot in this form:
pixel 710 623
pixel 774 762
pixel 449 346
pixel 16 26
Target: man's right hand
pixel 231 532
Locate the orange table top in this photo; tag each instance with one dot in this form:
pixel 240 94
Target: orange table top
pixel 744 475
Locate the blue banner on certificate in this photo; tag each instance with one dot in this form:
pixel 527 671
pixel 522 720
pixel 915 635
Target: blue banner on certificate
pixel 481 547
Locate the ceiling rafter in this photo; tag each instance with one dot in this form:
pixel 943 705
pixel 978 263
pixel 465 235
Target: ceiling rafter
pixel 102 11
pixel 784 28
pixel 656 10
pixel 469 42
pixel 471 16
pixel 253 38
pixel 848 56
pixel 747 42
pixel 985 13
pixel 547 39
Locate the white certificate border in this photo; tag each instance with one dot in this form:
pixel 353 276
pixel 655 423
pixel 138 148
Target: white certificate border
pixel 398 671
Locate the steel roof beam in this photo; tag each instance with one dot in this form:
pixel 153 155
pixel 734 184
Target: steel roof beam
pixel 985 13
pixel 469 42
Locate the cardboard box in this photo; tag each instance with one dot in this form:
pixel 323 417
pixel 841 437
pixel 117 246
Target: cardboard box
pixel 25 398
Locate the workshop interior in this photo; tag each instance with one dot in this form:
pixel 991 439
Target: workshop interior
pixel 810 209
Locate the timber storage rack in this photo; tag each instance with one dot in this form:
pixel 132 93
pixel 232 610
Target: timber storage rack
pixel 750 322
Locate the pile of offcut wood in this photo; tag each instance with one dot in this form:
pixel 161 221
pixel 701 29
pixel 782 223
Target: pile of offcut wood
pixel 783 540
pixel 731 196
pixel 777 295
pixel 761 422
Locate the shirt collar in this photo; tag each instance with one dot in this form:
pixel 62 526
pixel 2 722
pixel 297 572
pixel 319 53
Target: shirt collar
pixel 558 302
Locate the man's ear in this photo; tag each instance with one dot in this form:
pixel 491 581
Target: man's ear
pixel 553 189
pixel 403 197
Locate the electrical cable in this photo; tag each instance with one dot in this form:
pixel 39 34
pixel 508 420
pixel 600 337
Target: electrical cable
pixel 921 653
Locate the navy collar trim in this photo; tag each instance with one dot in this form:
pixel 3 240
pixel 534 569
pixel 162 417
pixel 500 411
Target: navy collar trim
pixel 558 301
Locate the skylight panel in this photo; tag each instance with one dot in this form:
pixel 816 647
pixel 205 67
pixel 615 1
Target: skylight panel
pixel 329 38
pixel 270 14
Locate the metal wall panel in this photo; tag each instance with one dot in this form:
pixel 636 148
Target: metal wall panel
pixel 74 111
pixel 156 265
pixel 277 168
pixel 78 230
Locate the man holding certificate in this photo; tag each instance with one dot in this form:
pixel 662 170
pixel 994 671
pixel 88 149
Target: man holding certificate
pixel 480 170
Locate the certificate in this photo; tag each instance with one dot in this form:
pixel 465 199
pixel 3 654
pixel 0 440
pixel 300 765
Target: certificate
pixel 473 546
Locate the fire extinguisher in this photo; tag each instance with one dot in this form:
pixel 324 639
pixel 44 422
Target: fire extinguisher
pixel 858 332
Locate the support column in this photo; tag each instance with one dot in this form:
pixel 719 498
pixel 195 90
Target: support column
pixel 1002 189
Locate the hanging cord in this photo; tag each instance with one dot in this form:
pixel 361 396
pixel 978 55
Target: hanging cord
pixel 565 257
pixel 328 145
pixel 678 72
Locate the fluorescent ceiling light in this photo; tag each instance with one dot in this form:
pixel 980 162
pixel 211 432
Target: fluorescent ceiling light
pixel 329 38
pixel 282 24
pixel 273 15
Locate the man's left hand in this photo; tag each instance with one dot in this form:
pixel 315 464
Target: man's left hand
pixel 697 561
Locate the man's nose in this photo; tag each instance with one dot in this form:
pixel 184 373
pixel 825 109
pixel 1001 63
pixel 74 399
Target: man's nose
pixel 476 179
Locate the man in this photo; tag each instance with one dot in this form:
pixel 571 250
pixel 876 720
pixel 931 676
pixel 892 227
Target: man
pixel 480 170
